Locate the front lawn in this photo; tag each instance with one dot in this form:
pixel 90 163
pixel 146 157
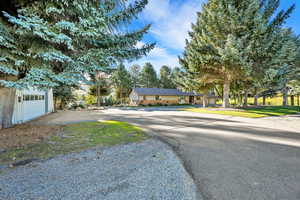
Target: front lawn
pixel 256 112
pixel 71 138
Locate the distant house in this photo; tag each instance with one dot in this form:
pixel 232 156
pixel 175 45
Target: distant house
pixel 30 104
pixel 154 96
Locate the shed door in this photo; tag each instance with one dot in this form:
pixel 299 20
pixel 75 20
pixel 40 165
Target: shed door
pixel 34 106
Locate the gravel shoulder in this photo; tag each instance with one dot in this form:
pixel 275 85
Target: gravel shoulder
pixel 146 170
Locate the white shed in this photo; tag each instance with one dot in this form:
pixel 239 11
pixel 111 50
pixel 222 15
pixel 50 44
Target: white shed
pixel 30 104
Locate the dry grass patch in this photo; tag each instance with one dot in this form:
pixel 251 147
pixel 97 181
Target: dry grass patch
pixel 25 134
pixel 35 142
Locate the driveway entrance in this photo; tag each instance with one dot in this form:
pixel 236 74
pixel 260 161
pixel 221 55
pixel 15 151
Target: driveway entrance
pixel 230 158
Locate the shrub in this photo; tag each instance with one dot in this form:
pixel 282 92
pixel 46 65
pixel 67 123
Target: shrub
pixel 75 106
pixel 90 100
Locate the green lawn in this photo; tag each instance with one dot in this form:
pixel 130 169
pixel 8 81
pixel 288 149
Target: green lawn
pixel 270 101
pixel 250 112
pixel 77 137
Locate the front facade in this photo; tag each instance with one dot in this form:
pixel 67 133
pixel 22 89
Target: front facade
pixel 158 96
pixel 30 104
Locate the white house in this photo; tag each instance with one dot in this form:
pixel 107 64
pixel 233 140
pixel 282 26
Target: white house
pixel 30 104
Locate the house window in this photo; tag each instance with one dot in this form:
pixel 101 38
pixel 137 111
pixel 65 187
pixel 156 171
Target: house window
pixel 26 97
pixel 144 98
pixel 156 98
pixel 33 97
pixel 198 98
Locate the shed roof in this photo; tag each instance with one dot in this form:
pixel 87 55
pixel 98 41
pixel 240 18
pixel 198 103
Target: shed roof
pixel 163 92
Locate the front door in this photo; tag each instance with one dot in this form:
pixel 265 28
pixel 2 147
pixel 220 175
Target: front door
pixel 191 99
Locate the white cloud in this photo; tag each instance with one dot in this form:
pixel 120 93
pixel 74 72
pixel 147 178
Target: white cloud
pixel 157 10
pixel 158 57
pixel 171 21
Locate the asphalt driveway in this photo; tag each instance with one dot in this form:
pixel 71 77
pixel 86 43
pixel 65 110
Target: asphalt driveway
pixel 229 157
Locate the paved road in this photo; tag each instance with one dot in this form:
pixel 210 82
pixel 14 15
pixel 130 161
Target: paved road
pixel 230 158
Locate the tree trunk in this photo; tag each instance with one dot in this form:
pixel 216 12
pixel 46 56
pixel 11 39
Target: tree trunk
pixel 62 104
pixel 204 101
pixel 298 100
pixel 245 99
pixel 264 100
pixel 284 97
pixel 255 97
pixel 7 104
pixel 121 96
pixel 240 98
pixel 256 100
pixel 55 104
pixel 98 89
pixel 226 92
pixel 292 100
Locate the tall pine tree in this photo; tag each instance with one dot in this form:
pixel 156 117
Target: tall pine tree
pixel 148 77
pixel 122 82
pixel 231 40
pixel 165 79
pixel 58 41
pixel 134 72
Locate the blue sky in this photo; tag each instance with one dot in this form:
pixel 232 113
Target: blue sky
pixel 171 20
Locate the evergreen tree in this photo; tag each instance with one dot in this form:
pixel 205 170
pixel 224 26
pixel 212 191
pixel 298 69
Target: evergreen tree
pixel 58 41
pixel 286 69
pixel 135 71
pixel 294 86
pixel 176 76
pixel 234 40
pixel 188 82
pixel 148 77
pixel 165 79
pixel 63 94
pixel 122 82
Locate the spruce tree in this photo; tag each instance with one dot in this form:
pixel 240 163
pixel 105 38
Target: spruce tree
pixel 231 40
pixel 284 67
pixel 134 72
pixel 121 82
pixel 176 76
pixel 58 41
pixel 148 77
pixel 165 79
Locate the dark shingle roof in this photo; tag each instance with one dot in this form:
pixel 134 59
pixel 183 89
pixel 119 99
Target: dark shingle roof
pixel 163 92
